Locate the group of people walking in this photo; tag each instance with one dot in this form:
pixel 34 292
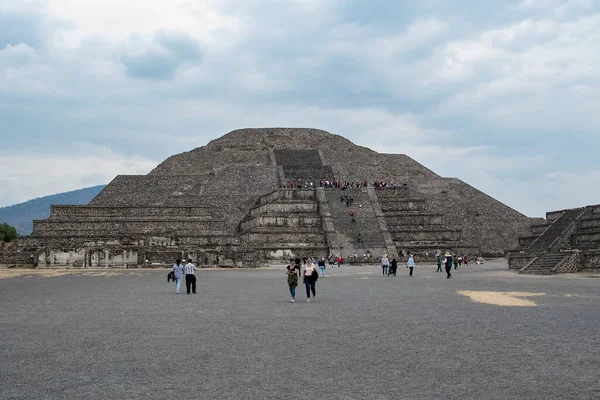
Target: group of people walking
pixel 390 268
pixel 308 273
pixel 307 270
pixel 189 269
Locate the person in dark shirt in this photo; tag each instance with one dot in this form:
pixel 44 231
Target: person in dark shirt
pixel 321 264
pixel 394 267
pixel 293 273
pixel 448 264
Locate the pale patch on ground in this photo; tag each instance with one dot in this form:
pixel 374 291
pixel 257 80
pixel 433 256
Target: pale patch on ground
pixel 572 295
pixel 505 299
pixel 51 273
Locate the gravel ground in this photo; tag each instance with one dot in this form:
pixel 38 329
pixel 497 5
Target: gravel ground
pixel 127 335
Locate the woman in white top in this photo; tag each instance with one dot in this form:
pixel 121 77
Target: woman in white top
pixel 310 278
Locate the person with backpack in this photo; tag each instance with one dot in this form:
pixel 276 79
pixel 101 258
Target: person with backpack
pixel 310 279
pixel 178 272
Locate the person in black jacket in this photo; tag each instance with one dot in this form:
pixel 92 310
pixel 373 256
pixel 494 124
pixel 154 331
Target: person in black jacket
pixel 394 267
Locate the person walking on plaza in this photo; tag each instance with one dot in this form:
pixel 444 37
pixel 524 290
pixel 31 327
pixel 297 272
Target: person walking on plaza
pixel 411 264
pixel 293 272
pixel 455 263
pixel 439 263
pixel 339 261
pixel 190 278
pixel 322 266
pixel 384 265
pixel 178 272
pixel 448 264
pixel 310 279
pixel 393 266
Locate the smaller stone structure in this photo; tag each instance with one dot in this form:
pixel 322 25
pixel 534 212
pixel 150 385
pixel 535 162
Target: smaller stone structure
pixel 566 241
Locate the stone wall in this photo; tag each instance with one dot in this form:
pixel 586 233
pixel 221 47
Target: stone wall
pixel 518 262
pixel 590 261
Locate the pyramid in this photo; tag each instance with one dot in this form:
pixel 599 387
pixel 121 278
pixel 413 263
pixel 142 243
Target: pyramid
pixel 255 195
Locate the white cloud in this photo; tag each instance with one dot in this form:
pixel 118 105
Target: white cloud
pixel 429 85
pixel 36 175
pixel 119 19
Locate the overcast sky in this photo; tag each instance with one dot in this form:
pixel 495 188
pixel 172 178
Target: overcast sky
pixel 504 95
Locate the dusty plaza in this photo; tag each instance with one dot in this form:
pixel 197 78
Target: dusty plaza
pixel 487 333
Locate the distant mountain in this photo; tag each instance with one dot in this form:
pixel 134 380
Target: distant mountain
pixel 21 215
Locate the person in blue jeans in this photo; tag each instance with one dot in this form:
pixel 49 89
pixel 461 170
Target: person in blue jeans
pixel 178 271
pixel 293 273
pixel 384 265
pixel 322 266
pixel 310 270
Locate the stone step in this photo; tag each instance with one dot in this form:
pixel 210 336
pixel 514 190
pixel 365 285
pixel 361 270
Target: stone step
pixel 403 213
pixel 314 228
pixel 427 235
pixel 127 226
pixel 285 208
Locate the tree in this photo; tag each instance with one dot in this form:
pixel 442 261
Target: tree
pixel 8 233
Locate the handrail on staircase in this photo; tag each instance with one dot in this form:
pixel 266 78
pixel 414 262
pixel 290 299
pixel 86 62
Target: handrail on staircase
pixel 567 229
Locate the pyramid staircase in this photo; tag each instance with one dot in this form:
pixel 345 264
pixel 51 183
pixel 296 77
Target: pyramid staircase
pixel 553 245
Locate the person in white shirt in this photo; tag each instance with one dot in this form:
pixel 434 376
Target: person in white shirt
pixel 190 278
pixel 384 265
pixel 411 264
pixel 310 270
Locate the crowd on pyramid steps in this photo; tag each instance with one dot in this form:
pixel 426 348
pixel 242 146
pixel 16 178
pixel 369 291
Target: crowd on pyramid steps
pixel 331 184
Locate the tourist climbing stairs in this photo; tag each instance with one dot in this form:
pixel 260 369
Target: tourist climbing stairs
pixel 365 223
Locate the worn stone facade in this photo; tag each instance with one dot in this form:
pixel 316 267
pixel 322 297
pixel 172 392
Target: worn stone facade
pixel 566 241
pixel 232 203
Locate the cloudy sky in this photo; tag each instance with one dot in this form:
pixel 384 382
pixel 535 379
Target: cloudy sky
pixel 504 95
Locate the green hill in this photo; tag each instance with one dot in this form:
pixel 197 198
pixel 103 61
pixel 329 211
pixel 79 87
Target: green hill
pixel 21 215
